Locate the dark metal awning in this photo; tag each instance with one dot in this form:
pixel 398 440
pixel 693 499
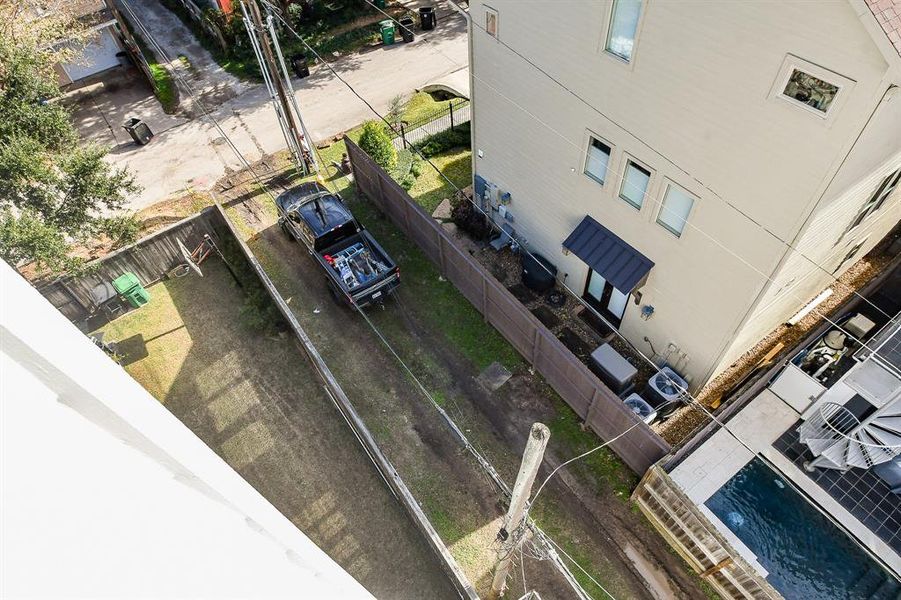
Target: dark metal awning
pixel 608 254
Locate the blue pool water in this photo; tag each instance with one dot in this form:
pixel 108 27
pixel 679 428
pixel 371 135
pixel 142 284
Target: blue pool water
pixel 808 558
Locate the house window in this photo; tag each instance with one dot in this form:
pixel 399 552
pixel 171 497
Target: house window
pixel 674 211
pixel 635 184
pixel 597 160
pixel 851 254
pixel 491 21
pixel 875 202
pixel 810 91
pixel 622 29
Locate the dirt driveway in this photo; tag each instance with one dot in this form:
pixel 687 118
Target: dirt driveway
pixel 253 399
pixel 602 533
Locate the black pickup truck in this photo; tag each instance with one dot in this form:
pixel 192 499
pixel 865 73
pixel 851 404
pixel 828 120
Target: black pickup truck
pixel 359 272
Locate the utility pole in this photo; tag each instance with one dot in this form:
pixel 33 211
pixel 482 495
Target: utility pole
pixel 528 470
pixel 272 76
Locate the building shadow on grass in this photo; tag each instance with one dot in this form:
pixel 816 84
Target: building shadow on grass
pixel 247 391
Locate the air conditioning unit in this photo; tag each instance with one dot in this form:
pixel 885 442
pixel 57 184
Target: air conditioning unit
pixel 641 408
pixel 666 391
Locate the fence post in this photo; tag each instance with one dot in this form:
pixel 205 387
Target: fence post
pixel 536 342
pixel 406 206
pixel 451 107
pixel 441 260
pixel 592 409
pixel 378 183
pixel 403 137
pixel 485 299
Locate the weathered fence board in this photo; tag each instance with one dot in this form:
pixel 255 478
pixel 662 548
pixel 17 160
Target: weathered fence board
pixel 594 402
pixel 149 258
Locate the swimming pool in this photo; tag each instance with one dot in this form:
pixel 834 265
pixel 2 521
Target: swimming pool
pixel 807 556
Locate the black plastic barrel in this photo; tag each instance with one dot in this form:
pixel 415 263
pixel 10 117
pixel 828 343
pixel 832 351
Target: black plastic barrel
pixel 538 273
pixel 406 29
pixel 427 18
pixel 300 66
pixel 139 131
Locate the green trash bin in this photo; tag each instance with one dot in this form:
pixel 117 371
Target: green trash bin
pixel 387 27
pixel 380 3
pixel 129 286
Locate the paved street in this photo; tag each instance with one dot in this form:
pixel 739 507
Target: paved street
pixel 192 153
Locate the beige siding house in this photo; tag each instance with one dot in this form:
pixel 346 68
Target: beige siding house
pixel 749 151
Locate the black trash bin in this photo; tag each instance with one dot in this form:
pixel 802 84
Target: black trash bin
pixel 300 66
pixel 139 131
pixel 427 18
pixel 406 29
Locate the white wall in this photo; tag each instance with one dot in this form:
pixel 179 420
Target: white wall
pixel 824 241
pixel 105 494
pixel 695 106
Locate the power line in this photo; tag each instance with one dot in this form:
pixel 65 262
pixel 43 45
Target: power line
pixel 704 409
pixel 583 455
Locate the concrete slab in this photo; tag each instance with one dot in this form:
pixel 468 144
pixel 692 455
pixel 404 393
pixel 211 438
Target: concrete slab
pixel 443 211
pixel 494 376
pixel 99 116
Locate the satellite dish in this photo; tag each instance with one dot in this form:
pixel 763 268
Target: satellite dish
pixel 189 259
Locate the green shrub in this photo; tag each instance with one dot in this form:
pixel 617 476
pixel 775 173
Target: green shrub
pixel 417 166
pixel 404 163
pixel 459 137
pixel 408 181
pixel 375 142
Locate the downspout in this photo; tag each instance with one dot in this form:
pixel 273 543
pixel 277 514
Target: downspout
pixel 889 90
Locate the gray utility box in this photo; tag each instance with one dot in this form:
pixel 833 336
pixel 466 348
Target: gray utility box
pixel 612 368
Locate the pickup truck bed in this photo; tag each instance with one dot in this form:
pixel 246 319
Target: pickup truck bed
pixel 363 271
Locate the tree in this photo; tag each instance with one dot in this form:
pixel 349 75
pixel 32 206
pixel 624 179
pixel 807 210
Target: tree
pixel 55 193
pixel 375 142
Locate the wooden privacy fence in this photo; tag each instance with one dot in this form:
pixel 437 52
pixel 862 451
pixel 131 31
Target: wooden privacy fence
pixel 594 402
pixel 150 259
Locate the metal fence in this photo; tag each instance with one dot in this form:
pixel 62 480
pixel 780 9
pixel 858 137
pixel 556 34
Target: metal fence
pixel 594 402
pixel 150 259
pixel 414 132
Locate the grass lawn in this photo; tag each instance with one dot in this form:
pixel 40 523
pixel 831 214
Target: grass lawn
pixel 164 87
pixel 431 187
pixel 422 105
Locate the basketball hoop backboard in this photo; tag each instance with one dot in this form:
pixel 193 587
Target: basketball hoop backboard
pixel 189 260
